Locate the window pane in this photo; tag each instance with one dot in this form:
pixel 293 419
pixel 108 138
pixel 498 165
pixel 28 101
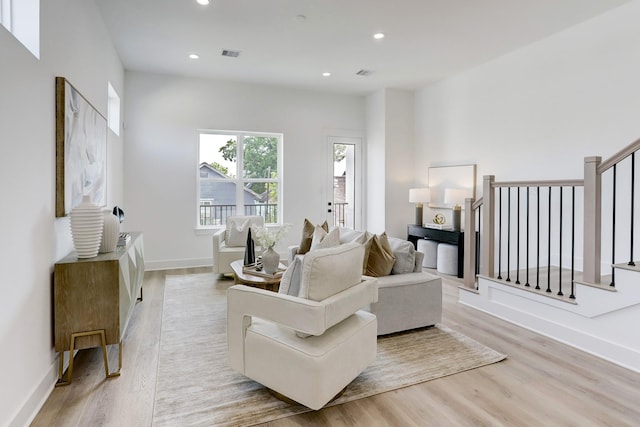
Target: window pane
pixel 260 155
pixel 264 203
pixel 218 168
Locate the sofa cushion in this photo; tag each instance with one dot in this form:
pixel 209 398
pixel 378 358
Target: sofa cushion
pixel 405 255
pixel 322 239
pixel 380 261
pixel 307 235
pixel 325 272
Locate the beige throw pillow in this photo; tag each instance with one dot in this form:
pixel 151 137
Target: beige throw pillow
pixel 380 261
pixel 307 235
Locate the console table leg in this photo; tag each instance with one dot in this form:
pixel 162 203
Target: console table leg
pixel 103 342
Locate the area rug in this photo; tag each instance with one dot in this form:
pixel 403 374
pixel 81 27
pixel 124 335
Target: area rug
pixel 195 386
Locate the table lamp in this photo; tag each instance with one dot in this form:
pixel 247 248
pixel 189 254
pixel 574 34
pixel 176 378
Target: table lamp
pixel 418 196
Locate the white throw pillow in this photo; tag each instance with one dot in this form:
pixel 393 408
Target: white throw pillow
pixel 323 240
pixel 290 282
pixel 238 231
pixel 405 255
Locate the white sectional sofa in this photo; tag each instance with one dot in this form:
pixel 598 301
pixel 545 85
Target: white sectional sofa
pixel 408 298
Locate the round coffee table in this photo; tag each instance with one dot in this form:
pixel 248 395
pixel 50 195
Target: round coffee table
pixel 242 278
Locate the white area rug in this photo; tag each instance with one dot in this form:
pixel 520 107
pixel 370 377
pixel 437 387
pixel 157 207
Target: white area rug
pixel 196 387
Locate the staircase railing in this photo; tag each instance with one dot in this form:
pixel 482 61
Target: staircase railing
pixel 517 226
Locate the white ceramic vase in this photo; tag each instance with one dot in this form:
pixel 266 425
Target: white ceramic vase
pixel 86 228
pixel 110 232
pixel 270 261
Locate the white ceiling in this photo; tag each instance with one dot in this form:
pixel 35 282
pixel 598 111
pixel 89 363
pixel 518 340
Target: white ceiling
pixel 426 40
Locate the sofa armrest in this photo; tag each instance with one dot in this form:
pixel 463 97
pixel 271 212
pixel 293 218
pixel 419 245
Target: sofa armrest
pixel 418 265
pixel 217 241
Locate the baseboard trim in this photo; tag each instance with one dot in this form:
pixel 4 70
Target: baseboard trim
pixel 177 263
pixel 32 405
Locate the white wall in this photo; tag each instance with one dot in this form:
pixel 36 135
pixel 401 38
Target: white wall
pixel 74 44
pixel 390 161
pixel 537 112
pixel 162 116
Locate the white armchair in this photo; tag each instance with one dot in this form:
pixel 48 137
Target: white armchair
pixel 265 329
pixel 225 252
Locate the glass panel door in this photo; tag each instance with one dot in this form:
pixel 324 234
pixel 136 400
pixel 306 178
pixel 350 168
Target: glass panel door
pixel 343 207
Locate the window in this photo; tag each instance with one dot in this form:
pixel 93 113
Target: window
pixel 239 174
pixel 113 109
pixel 22 19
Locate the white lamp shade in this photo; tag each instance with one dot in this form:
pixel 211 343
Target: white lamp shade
pixel 419 195
pixel 455 196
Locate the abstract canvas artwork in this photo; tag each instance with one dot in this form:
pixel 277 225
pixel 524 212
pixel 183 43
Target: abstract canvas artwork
pixel 81 150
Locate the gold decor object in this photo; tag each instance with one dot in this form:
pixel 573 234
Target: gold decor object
pixel 438 219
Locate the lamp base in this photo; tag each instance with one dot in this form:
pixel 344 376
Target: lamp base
pixel 456 217
pixel 418 215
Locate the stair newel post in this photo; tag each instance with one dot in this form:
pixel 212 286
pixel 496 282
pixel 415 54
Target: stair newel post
pixel 592 219
pixel 488 225
pixel 469 245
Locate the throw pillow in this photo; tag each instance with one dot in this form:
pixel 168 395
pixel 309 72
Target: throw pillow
pixel 380 261
pixel 405 255
pixel 238 231
pixel 307 235
pixel 323 240
pixel 290 282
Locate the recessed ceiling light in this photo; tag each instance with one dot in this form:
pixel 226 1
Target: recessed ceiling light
pixel 203 2
pixel 378 36
pixel 194 56
pixel 326 74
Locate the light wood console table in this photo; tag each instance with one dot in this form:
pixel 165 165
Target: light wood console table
pixel 94 299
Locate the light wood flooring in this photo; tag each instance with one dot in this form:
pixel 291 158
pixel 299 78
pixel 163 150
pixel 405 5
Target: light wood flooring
pixel 542 382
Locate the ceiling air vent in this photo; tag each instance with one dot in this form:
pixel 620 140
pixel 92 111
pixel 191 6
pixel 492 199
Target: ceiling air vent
pixel 365 72
pixel 231 53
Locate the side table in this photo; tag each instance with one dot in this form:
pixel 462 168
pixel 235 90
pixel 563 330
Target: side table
pixel 416 232
pixel 242 278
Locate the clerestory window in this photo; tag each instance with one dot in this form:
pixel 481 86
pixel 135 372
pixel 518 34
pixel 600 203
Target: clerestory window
pixel 239 174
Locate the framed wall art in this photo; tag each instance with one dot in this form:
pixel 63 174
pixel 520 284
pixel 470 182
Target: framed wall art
pixel 81 150
pixel 446 178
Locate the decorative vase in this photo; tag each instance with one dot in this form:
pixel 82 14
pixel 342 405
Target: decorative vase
pixel 270 260
pixel 86 228
pixel 110 232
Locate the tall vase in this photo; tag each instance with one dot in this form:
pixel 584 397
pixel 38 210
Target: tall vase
pixel 270 261
pixel 110 232
pixel 86 228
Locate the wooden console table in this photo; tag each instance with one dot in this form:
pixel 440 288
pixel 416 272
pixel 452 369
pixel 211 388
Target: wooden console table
pixel 94 299
pixel 415 232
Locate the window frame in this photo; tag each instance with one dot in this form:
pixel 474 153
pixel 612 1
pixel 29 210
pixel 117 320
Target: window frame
pixel 240 180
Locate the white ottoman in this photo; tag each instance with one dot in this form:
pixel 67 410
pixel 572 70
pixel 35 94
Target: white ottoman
pixel 430 250
pixel 447 261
